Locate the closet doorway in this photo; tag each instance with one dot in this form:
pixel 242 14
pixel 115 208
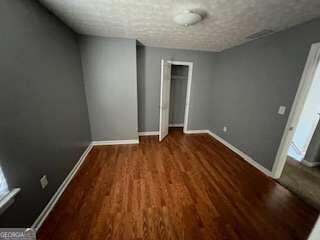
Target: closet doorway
pixel 175 89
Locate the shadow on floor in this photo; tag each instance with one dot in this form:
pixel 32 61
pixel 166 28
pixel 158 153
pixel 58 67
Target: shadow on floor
pixel 303 181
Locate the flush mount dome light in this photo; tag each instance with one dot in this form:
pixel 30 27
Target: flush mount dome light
pixel 187 18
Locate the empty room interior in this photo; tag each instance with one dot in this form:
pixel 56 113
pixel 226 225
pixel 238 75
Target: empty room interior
pixel 148 119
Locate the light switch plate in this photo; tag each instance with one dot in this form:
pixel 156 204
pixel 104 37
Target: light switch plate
pixel 282 110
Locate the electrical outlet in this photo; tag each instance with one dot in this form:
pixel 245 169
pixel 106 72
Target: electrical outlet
pixel 225 129
pixel 44 181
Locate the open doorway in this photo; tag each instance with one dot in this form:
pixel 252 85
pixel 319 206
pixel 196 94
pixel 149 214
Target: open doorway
pixel 298 159
pixel 176 77
pixel 307 123
pixel 178 92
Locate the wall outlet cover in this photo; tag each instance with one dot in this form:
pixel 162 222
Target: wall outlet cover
pixel 44 181
pixel 282 110
pixel 225 129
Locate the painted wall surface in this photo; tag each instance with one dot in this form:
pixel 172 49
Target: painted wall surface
pixel 110 75
pixel 44 124
pixel 149 67
pixel 309 118
pixel 178 92
pixel 251 82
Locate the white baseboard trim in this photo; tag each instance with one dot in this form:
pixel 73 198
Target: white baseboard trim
pixel 196 131
pixel 154 133
pixel 115 142
pixel 310 164
pixel 45 212
pixel 242 154
pixel 176 125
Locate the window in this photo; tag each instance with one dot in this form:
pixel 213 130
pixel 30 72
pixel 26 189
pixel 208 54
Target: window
pixel 3 185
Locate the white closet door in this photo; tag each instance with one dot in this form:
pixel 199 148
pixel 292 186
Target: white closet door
pixel 164 99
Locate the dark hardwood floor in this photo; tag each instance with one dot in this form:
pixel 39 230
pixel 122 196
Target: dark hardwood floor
pixel 186 187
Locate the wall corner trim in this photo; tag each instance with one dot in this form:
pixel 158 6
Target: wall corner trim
pixel 48 208
pixel 234 149
pixel 196 131
pixel 45 212
pixel 242 154
pixel 115 142
pixel 153 133
pixel 310 164
pixel 176 125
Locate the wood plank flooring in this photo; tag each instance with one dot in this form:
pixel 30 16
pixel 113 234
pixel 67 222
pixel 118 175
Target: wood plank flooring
pixel 186 187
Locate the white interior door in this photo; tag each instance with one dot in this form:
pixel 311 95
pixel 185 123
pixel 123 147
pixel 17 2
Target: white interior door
pixel 164 99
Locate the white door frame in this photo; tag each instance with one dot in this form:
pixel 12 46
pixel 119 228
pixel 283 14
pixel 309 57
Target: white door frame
pixel 305 83
pixel 188 94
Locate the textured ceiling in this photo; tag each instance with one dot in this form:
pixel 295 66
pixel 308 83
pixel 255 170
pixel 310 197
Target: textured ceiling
pixel 227 22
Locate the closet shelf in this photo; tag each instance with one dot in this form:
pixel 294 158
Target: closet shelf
pixel 179 77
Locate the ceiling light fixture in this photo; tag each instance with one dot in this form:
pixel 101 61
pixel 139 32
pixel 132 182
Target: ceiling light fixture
pixel 187 18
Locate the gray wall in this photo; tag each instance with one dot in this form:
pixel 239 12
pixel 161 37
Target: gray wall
pixel 149 59
pixel 178 92
pixel 313 152
pixel 110 75
pixel 44 125
pixel 251 82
